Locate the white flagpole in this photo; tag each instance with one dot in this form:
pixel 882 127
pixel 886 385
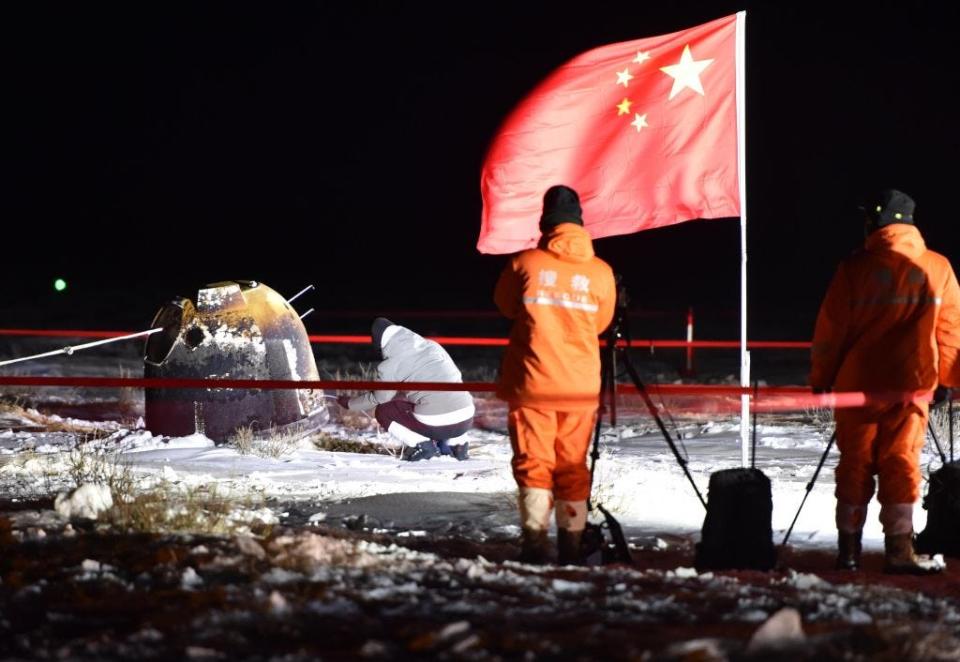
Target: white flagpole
pixel 742 178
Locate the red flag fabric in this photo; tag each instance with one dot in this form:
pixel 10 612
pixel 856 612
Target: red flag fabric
pixel 644 130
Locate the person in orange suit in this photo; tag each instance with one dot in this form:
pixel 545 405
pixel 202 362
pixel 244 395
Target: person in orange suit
pixel 560 297
pixel 889 323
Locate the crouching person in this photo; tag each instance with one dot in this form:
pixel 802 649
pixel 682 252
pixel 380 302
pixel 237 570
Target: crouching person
pixel 429 423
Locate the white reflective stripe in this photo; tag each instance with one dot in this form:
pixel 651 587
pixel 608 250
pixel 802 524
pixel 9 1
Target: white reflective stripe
pixel 405 434
pixel 449 418
pixel 562 303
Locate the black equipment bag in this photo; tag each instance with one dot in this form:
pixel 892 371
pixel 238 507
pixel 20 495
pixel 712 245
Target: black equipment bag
pixel 605 543
pixel 737 532
pixel 942 503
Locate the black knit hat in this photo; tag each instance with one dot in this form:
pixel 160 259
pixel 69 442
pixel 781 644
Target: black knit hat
pixel 379 326
pixel 890 206
pixel 561 204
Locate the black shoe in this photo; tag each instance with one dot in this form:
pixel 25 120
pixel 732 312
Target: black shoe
pixel 848 551
pixel 422 451
pixel 460 451
pixel 534 547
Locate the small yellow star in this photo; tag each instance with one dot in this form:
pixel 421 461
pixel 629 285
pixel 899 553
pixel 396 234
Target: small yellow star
pixel 623 108
pixel 639 121
pixel 623 77
pixel 642 56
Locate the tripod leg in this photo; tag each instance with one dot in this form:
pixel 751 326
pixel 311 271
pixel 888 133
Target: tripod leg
pixel 612 380
pixel 813 480
pixel 950 419
pixel 652 408
pixel 608 392
pixel 936 442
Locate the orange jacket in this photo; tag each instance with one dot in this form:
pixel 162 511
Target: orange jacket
pixel 560 297
pixel 890 320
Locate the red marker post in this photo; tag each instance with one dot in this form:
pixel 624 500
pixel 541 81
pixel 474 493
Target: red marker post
pixel 690 340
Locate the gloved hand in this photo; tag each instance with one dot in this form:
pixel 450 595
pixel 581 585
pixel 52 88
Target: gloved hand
pixel 941 395
pixel 344 401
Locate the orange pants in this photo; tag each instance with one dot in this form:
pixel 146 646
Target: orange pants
pixel 550 450
pixel 885 443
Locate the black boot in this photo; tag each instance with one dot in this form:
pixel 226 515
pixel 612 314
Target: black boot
pixel 461 451
pixel 534 546
pixel 422 451
pixel 849 546
pixel 568 547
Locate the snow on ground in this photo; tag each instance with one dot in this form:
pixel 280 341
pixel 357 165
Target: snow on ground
pixel 638 478
pixel 370 556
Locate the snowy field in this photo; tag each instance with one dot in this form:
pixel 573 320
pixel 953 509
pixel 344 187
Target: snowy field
pixel 637 478
pixel 343 553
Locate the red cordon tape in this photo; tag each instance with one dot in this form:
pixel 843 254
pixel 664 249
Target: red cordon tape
pixel 443 340
pixel 269 384
pixel 768 398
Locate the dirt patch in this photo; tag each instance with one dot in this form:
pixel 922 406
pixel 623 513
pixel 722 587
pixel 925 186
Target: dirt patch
pixel 86 592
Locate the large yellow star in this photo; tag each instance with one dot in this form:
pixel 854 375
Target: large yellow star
pixel 639 121
pixel 623 108
pixel 623 77
pixel 686 73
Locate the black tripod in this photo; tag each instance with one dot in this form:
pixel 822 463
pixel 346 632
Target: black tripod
pixel 610 354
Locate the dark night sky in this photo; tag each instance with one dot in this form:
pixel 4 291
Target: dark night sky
pixel 340 144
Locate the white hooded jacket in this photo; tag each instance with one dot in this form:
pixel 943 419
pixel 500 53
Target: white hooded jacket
pixel 409 357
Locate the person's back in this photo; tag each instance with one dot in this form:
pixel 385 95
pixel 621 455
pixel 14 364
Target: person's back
pixel 878 328
pixel 561 297
pixel 409 356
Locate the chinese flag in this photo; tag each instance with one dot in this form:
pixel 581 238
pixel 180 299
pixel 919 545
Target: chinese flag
pixel 645 131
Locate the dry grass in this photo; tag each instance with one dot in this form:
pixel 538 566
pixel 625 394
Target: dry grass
pixel 272 443
pixel 242 439
pixel 168 509
pixel 161 508
pixel 940 422
pixel 11 405
pixel 819 417
pixel 100 468
pixel 326 442
pixel 16 407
